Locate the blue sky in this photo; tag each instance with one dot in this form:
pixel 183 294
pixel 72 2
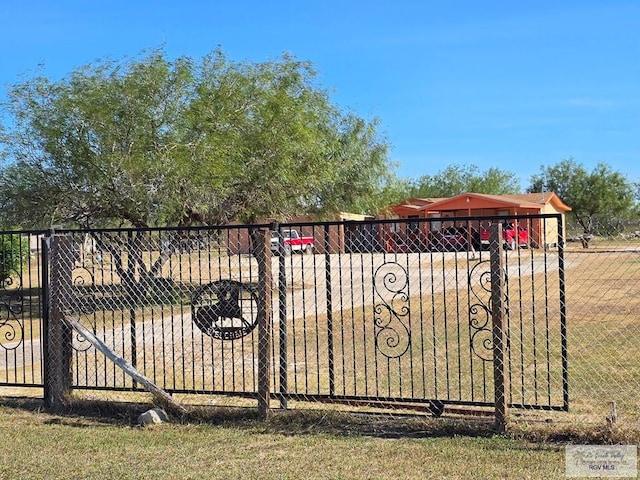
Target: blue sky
pixel 515 85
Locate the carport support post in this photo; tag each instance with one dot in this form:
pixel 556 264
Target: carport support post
pixel 262 252
pixel 58 333
pixel 499 334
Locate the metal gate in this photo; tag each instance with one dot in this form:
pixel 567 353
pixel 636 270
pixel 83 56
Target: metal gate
pixel 22 307
pixel 404 325
pixel 379 313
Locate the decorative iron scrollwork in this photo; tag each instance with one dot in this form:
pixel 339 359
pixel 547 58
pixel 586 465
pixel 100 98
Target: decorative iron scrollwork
pixel 225 309
pixel 83 299
pixel 391 284
pixel 11 329
pixel 83 302
pixel 480 311
pixel 79 342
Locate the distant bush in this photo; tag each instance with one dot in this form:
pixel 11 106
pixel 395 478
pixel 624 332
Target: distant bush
pixel 14 253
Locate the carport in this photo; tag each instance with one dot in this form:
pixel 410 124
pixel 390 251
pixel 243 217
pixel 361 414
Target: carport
pixel 445 212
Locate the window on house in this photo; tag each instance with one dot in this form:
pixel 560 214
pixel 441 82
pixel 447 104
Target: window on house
pixel 394 227
pixel 413 225
pixel 435 225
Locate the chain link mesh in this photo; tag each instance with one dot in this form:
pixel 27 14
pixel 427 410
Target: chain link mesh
pixel 369 315
pixel 603 305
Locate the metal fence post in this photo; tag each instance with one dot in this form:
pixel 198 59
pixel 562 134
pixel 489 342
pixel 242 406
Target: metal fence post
pixel 44 295
pixel 499 334
pixel 262 251
pixel 59 336
pixel 330 349
pixel 132 310
pixel 282 318
pixel 563 314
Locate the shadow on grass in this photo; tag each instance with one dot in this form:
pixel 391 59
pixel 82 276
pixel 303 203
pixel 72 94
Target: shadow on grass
pixel 86 413
pixel 96 413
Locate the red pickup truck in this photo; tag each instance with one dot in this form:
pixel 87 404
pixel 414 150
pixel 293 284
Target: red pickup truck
pixel 509 237
pixel 292 241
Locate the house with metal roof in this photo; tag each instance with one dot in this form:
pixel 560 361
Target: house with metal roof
pixel 446 212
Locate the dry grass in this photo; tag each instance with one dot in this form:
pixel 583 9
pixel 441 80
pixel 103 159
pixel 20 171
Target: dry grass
pixel 602 300
pixel 100 441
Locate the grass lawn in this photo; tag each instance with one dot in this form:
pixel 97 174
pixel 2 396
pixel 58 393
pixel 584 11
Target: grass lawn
pixel 100 439
pixel 105 443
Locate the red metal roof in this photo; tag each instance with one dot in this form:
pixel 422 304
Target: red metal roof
pixel 530 201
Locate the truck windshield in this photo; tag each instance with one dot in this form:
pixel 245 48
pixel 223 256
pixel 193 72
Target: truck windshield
pixel 285 234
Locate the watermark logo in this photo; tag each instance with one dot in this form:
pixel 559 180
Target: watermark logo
pixel 601 461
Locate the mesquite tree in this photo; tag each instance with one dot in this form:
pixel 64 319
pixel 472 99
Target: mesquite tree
pixel 599 196
pixel 457 179
pixel 154 141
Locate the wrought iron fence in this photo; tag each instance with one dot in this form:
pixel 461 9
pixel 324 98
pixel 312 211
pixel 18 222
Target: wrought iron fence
pixel 376 314
pixel 21 308
pixel 370 312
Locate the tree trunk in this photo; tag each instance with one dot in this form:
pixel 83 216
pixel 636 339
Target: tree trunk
pixel 587 228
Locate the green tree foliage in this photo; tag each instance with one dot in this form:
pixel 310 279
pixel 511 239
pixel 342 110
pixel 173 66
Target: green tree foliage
pixel 153 142
pixel 457 179
pixel 602 197
pixel 14 253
